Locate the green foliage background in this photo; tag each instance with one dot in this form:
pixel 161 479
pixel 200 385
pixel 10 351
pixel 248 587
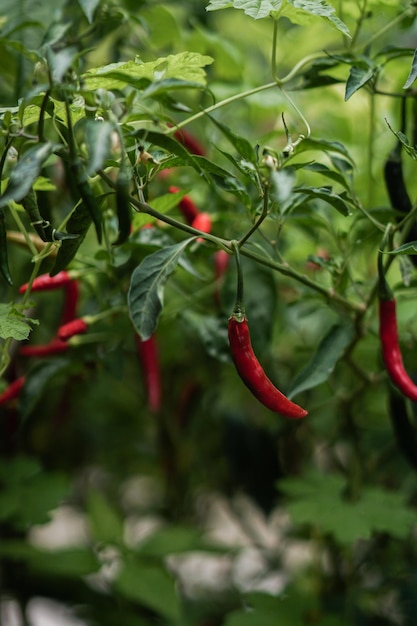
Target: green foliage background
pixel 297 106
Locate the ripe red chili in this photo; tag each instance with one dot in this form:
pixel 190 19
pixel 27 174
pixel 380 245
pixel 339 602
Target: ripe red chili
pixel 391 353
pixel 189 142
pixel 76 326
pixel 252 374
pixel 55 346
pixel 148 352
pixel 202 222
pixel 186 206
pixel 13 390
pixel 45 282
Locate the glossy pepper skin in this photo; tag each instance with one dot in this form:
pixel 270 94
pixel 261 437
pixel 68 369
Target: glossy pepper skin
pixel 148 353
pixel 252 374
pixel 391 353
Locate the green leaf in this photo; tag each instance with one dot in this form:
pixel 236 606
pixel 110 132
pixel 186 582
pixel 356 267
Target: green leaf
pixel 326 194
pixel 323 145
pixel 358 77
pixel 150 586
pixel 338 177
pixel 300 12
pixel 241 144
pixel 171 540
pixel 318 500
pixel 88 7
pixel 71 563
pixel 146 290
pixel 13 323
pixel 212 333
pixel 78 224
pixel 98 140
pixel 38 380
pixel 105 523
pixel 25 172
pixel 413 72
pixel 321 366
pixel 409 248
pixel 254 8
pixel 186 66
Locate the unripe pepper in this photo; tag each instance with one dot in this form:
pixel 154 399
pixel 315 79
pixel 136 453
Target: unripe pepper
pixel 388 334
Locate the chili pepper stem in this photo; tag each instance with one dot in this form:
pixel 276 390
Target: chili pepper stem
pixel 239 308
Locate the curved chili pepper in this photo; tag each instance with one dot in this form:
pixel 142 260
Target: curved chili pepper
pixel 13 390
pixel 202 222
pixel 388 334
pixel 252 374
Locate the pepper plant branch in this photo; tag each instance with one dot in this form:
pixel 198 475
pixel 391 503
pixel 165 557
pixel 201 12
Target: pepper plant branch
pixel 260 219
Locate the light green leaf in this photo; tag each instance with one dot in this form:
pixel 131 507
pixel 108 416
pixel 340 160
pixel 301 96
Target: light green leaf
pixel 88 7
pixel 301 11
pixel 146 291
pixel 150 586
pixel 105 522
pixel 254 8
pixel 318 500
pixel 321 366
pixel 13 323
pixel 409 248
pixel 184 66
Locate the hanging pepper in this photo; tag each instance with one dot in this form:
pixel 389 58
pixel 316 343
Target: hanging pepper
pixel 148 352
pixel 186 206
pixel 388 334
pixel 246 363
pixel 123 205
pixel 12 391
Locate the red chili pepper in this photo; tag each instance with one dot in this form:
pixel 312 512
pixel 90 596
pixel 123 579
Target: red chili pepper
pixel 44 282
pixel 391 353
pixel 72 293
pixel 252 374
pixel 186 206
pixel 13 390
pixel 76 326
pixel 202 222
pixel 148 352
pixel 55 346
pixel 189 142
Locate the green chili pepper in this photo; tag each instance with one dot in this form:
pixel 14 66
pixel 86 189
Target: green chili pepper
pixel 123 206
pixel 43 227
pixel 4 262
pixel 87 196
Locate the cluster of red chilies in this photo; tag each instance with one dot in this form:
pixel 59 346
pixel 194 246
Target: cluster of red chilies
pixel 59 343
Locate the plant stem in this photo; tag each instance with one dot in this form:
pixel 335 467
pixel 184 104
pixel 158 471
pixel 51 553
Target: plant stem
pixel 259 221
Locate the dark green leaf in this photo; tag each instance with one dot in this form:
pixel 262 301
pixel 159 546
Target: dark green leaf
pixel 337 176
pixel 413 72
pixel 358 77
pixel 38 381
pixel 321 366
pixel 325 194
pixel 25 172
pixel 146 291
pixel 78 224
pixel 70 563
pixel 98 140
